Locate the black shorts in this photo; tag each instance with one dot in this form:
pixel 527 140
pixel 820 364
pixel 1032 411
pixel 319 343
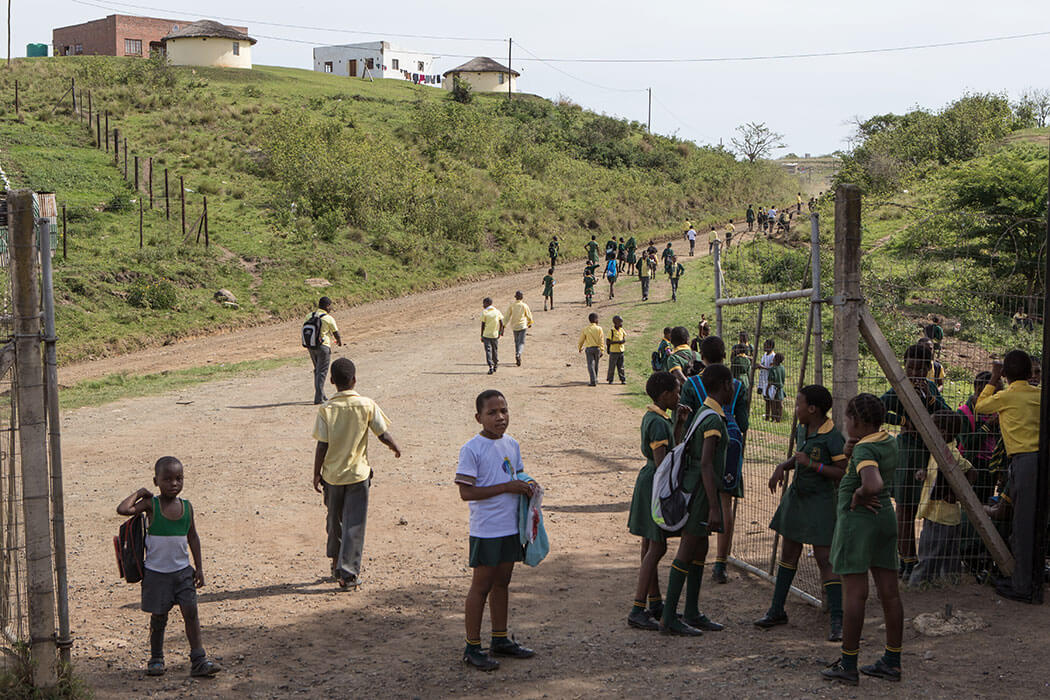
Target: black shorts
pixel 493 551
pixel 162 591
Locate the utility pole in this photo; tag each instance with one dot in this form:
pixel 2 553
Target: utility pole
pixel 649 123
pixel 510 69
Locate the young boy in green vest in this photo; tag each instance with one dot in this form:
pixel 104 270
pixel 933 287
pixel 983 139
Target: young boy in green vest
pixel 168 578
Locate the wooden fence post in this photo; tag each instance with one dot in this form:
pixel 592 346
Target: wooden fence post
pixel 32 438
pixel 846 340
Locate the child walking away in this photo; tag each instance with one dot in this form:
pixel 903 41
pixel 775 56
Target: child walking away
pixel 940 555
pixel 651 263
pixel 490 476
pixel 750 217
pixel 632 255
pixel 610 274
pixel 865 541
pixel 691 237
pixel 643 277
pixel 519 318
pixel 806 514
pixel 588 287
pixel 615 344
pixel 705 456
pixel 913 453
pixel 611 247
pixel 169 579
pixel 592 250
pixel 667 254
pixel 730 230
pixel 491 332
pixel 657 439
pixel 775 388
pixel 548 289
pixel 592 340
pixel 1018 407
pixel 676 274
pixel 341 469
pixel 553 249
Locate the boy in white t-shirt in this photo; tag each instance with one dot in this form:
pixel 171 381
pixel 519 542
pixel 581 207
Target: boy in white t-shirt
pixel 764 364
pixel 487 476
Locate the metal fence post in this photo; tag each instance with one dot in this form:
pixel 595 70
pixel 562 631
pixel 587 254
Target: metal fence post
pixel 58 508
pixel 818 323
pixel 717 252
pixel 32 438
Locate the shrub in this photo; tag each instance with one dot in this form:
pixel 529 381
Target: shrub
pixel 327 225
pixel 159 295
pixel 461 91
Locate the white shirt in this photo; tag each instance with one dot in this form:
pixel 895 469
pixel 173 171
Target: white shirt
pixel 486 462
pixel 765 363
pixel 691 234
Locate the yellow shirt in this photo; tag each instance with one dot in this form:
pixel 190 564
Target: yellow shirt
pixel 799 198
pixel 716 235
pixel 491 317
pixel 519 316
pixel 617 338
pixel 730 228
pixel 343 422
pixel 592 337
pixel 1018 409
pixel 941 511
pixel 328 327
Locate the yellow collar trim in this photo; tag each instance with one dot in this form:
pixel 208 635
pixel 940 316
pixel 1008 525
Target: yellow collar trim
pixel 828 426
pixel 656 409
pixel 874 437
pixel 714 406
pixel 680 347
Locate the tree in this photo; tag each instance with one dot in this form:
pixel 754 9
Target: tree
pixel 756 141
pixel 461 91
pixel 1034 105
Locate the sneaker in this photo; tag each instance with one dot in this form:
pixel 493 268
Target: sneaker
pixel 517 358
pixel 771 619
pixel 155 667
pixel 881 669
pixel 642 620
pixel 204 669
pixel 479 659
pixel 679 629
pixel 703 623
pixel 491 370
pixel 838 672
pixel 835 632
pixel 508 646
pixel 719 575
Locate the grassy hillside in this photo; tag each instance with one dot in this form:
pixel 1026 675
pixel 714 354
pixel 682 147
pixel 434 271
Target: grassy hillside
pixel 380 188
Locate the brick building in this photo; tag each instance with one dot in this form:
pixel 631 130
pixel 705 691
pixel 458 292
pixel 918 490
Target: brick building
pixel 116 35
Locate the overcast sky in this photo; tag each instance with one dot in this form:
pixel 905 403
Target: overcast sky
pixel 810 100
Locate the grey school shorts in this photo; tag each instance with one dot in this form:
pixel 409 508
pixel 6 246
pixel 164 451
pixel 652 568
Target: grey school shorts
pixel 161 592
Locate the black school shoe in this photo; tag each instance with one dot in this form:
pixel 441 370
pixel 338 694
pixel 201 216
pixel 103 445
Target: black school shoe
pixel 881 669
pixel 479 659
pixel 1004 588
pixel 704 623
pixel 771 620
pixel 507 646
pixel 643 620
pixel 679 629
pixel 837 672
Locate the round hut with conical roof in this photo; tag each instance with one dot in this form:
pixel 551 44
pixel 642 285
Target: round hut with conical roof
pixel 208 43
pixel 484 75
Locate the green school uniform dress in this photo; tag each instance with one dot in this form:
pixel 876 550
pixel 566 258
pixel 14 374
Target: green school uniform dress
pixel 863 539
pixel 693 396
pixel 588 285
pixel 776 380
pixel 631 257
pixel 806 512
pixel 656 432
pixel 907 490
pixel 692 478
pixel 682 357
pixel 592 251
pixel 548 286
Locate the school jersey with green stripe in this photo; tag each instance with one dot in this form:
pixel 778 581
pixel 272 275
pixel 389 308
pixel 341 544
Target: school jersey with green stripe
pixel 167 549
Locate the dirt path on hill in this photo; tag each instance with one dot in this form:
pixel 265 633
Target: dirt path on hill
pixel 280 630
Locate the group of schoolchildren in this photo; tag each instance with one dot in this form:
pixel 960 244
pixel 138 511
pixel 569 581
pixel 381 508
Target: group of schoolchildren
pixel 839 500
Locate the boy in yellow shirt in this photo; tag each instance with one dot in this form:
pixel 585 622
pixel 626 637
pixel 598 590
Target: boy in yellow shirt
pixel 341 469
pixel 592 339
pixel 1018 406
pixel 519 318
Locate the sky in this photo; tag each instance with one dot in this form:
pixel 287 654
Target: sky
pixel 811 101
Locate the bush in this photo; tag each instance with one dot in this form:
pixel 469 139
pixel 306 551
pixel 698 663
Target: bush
pixel 160 295
pixel 327 225
pixel 461 91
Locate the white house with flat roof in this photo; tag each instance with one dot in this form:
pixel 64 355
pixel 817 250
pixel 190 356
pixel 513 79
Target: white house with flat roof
pixel 378 59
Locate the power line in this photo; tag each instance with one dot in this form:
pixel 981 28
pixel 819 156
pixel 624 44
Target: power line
pixel 574 77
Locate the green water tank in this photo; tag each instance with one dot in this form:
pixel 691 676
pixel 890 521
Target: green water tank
pixel 36 50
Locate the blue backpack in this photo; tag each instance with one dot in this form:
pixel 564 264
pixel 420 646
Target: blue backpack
pixel 735 450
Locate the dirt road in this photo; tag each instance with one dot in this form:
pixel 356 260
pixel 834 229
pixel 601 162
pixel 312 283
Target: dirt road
pixel 281 630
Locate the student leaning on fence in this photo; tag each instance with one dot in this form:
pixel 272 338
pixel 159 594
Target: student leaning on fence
pixel 1018 407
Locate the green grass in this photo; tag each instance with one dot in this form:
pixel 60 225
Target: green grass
pixel 395 189
pixel 114 387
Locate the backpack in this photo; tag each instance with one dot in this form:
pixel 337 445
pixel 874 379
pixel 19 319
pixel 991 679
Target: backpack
pixel 735 449
pixel 657 361
pixel 670 503
pixel 312 330
pixel 130 545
